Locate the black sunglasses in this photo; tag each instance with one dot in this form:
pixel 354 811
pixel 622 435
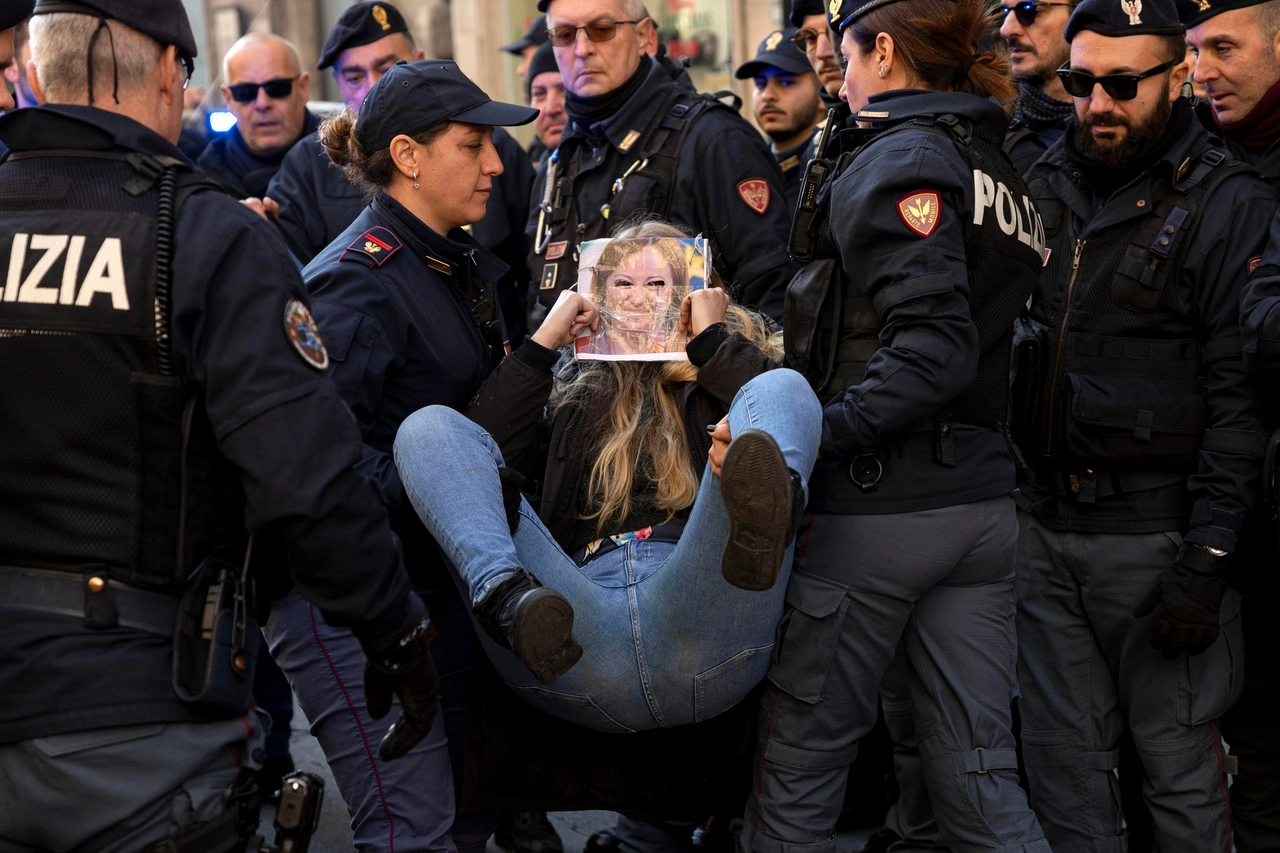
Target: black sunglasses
pixel 602 30
pixel 1122 87
pixel 247 93
pixel 1026 11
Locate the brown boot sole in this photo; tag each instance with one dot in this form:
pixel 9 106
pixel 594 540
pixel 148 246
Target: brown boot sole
pixel 756 487
pixel 542 635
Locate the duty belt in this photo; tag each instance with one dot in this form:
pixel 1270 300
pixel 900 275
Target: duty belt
pixel 1086 484
pixel 95 598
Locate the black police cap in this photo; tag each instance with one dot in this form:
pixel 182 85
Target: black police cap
pixel 1119 18
pixel 14 12
pixel 416 96
pixel 1195 12
pixel 534 36
pixel 361 24
pixel 801 9
pixel 163 20
pixel 842 13
pixel 776 51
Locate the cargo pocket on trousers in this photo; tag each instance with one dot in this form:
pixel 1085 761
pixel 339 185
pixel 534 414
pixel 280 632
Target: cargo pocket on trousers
pixel 1210 682
pixel 721 687
pixel 808 635
pixel 572 708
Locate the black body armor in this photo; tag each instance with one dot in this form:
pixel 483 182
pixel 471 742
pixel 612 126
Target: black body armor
pixel 107 458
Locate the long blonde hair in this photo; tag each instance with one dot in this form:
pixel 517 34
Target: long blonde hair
pixel 644 418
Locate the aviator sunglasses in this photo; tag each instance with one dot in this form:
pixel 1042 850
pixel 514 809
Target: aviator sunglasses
pixel 1026 11
pixel 247 93
pixel 602 30
pixel 1122 87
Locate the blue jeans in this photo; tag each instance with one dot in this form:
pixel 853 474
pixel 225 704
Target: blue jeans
pixel 666 640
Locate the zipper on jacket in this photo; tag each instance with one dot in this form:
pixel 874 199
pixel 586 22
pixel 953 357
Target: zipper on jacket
pixel 1050 423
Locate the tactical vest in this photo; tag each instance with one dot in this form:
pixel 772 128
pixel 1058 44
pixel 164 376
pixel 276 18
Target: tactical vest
pixel 833 328
pixel 645 184
pixel 1111 371
pixel 107 458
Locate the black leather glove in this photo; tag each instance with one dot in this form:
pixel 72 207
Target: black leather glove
pixel 1186 601
pixel 407 672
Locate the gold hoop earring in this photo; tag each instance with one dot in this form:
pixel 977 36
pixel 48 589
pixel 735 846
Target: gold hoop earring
pixel 415 180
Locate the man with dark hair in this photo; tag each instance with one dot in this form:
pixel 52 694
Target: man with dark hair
pixel 813 36
pixel 640 141
pixel 786 102
pixel 1033 31
pixel 535 35
pixel 1142 442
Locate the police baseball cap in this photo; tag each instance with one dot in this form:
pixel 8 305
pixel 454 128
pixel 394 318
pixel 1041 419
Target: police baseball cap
pixel 361 24
pixel 534 36
pixel 14 12
pixel 776 51
pixel 801 9
pixel 1195 12
pixel 416 96
pixel 163 20
pixel 1119 18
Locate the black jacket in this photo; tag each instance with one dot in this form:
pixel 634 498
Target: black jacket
pixel 1221 482
pixel 721 156
pixel 240 172
pixel 275 417
pixel 402 335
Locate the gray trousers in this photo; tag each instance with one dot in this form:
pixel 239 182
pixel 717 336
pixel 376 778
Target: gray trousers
pixel 1087 671
pixel 941 582
pixel 118 790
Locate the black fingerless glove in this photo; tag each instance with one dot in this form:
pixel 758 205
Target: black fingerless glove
pixel 1187 601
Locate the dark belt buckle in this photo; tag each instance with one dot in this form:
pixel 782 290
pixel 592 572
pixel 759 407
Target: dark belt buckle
pixel 866 469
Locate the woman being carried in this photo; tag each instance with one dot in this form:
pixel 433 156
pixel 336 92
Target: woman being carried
pixel 674 574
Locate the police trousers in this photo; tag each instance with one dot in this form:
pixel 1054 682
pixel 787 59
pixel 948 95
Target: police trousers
pixel 940 582
pixel 120 789
pixel 1087 671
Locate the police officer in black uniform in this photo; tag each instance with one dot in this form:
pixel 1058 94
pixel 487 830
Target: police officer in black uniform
pixel 786 103
pixel 164 389
pixel 1143 442
pixel 640 141
pixel 925 250
pixel 316 202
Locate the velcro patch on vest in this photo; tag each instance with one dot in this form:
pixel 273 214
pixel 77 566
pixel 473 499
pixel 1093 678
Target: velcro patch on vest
pixel 920 211
pixel 377 245
pixel 301 329
pixel 755 194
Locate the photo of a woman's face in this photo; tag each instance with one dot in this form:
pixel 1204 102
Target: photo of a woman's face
pixel 641 286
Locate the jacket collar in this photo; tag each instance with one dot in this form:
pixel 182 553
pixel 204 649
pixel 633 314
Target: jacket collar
pixel 889 108
pixel 67 126
pixel 458 249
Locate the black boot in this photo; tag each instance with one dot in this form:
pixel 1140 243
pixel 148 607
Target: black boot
pixel 765 502
pixel 533 621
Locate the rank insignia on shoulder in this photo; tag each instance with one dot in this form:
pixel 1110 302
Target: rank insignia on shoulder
pixel 755 194
pixel 376 245
pixel 301 329
pixel 920 211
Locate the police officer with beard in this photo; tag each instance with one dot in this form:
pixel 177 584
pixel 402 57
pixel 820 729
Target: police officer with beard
pixel 1143 442
pixel 164 404
pixel 926 249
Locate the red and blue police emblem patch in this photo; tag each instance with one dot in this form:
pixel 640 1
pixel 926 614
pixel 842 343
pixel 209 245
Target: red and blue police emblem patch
pixel 376 245
pixel 301 329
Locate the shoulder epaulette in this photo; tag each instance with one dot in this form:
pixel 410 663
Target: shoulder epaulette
pixel 375 246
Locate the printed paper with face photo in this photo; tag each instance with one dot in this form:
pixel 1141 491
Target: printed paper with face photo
pixel 638 285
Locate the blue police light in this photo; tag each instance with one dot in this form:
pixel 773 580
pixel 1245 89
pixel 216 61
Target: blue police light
pixel 220 121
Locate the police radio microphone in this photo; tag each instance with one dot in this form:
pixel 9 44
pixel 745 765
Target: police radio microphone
pixel 800 243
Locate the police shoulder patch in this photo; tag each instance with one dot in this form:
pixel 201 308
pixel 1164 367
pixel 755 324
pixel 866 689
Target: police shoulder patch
pixel 920 211
pixel 300 327
pixel 755 194
pixel 376 246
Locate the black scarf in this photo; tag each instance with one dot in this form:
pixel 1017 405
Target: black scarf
pixel 1037 110
pixel 596 108
pixel 254 171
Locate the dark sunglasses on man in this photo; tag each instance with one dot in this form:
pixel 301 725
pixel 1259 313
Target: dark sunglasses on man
pixel 807 39
pixel 247 93
pixel 1122 87
pixel 1026 11
pixel 601 30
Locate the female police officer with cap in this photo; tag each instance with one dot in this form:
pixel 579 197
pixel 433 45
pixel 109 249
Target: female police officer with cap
pixel 927 250
pixel 405 302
